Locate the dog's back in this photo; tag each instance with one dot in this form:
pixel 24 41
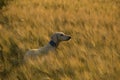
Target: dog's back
pixel 33 53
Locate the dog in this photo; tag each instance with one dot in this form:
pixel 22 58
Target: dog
pixel 56 38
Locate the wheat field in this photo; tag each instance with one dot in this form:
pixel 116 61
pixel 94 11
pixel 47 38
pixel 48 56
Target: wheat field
pixel 93 53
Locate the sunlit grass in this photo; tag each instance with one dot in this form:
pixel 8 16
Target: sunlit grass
pixel 91 54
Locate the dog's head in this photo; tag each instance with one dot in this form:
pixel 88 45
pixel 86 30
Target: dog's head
pixel 60 36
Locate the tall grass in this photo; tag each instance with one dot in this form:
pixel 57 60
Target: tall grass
pixel 91 54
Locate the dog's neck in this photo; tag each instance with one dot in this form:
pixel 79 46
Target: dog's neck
pixel 54 44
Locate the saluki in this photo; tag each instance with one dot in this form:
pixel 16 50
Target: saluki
pixel 56 38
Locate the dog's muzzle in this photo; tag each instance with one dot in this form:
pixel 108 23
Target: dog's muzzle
pixel 69 37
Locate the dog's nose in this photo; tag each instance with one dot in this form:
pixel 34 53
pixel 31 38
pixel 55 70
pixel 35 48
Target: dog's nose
pixel 69 37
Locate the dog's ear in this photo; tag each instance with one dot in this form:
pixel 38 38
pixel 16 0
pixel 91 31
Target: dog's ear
pixel 54 38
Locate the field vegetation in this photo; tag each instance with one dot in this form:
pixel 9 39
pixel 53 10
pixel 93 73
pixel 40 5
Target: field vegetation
pixel 93 53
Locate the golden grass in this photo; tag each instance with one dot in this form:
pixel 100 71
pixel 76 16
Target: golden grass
pixel 91 54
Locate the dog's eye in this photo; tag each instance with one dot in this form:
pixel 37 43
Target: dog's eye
pixel 61 34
